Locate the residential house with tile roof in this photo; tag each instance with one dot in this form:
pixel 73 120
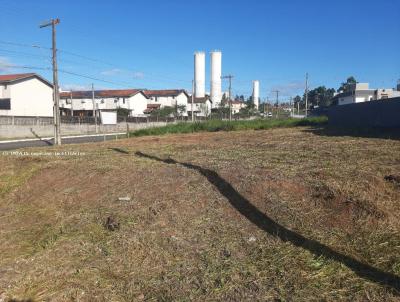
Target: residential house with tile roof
pixel 168 98
pixel 26 94
pixel 80 103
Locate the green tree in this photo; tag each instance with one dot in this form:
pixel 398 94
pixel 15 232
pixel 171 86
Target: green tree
pixel 345 86
pixel 320 96
pixel 249 103
pixel 164 112
pixel 123 112
pixel 180 109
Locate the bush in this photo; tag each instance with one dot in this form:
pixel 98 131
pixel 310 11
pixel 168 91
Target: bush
pixel 218 125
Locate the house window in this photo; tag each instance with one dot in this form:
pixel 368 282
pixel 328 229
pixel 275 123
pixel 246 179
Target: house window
pixel 5 104
pixel 123 100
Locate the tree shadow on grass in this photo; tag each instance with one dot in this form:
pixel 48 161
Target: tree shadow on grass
pixel 262 221
pixel 49 143
pixel 119 150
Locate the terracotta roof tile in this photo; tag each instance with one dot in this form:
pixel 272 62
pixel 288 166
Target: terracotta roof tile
pixel 165 92
pixel 100 93
pixel 15 77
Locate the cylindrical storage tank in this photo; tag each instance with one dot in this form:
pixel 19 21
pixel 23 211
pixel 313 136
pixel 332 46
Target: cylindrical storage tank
pixel 199 74
pixel 256 93
pixel 216 72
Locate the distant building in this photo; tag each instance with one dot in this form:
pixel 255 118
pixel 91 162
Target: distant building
pixel 361 92
pixel 201 106
pixel 237 105
pixel 168 98
pixel 80 103
pixel 25 94
pixel 151 108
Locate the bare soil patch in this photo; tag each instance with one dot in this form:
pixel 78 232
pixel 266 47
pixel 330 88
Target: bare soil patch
pixel 269 215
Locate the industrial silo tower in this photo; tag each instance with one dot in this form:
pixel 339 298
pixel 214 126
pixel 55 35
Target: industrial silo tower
pixel 256 94
pixel 216 72
pixel 199 74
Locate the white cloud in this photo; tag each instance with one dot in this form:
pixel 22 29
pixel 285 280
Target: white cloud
pixel 77 87
pixel 296 87
pixel 138 75
pixel 120 72
pixel 111 72
pixel 4 64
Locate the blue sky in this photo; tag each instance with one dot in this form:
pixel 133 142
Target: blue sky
pixel 150 44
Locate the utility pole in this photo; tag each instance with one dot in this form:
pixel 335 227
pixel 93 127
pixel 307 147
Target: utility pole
pixel 291 106
pixel 56 92
pixel 306 94
pixel 277 102
pixel 72 105
pixel 192 101
pixel 229 77
pixel 94 108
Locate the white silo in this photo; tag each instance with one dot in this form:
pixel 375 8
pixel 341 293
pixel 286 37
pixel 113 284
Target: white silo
pixel 199 74
pixel 216 72
pixel 256 94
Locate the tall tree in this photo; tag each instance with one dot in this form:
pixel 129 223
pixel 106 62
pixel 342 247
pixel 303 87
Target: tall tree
pixel 345 86
pixel 321 96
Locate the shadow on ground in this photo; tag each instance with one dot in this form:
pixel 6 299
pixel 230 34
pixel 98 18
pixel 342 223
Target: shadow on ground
pixel 119 150
pixel 383 133
pixel 265 223
pixel 49 143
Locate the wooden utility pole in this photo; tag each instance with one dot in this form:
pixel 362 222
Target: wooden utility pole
pixel 277 102
pixel 229 77
pixel 306 94
pixel 94 108
pixel 56 92
pixel 292 105
pixel 72 105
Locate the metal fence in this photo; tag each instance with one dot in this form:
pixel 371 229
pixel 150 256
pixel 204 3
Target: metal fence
pixel 75 120
pixel 26 121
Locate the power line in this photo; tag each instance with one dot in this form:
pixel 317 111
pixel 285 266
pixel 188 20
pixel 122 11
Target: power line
pixel 62 71
pixel 24 45
pixel 153 76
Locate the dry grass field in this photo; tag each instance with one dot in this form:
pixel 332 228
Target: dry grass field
pixel 269 215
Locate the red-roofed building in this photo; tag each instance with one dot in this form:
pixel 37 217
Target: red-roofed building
pixel 169 98
pixel 26 94
pixel 80 103
pixel 201 106
pixel 237 105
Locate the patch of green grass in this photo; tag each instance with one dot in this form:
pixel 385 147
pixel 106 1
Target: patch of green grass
pixel 14 179
pixel 218 125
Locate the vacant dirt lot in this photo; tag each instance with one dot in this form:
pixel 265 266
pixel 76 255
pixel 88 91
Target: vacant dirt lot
pixel 275 215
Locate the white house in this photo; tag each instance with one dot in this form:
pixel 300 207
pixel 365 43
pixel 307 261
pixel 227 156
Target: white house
pixel 236 106
pixel 361 92
pixel 168 98
pixel 25 94
pixel 201 106
pixel 80 103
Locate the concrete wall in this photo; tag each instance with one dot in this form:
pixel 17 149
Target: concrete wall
pixel 381 113
pixel 29 97
pixel 25 131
